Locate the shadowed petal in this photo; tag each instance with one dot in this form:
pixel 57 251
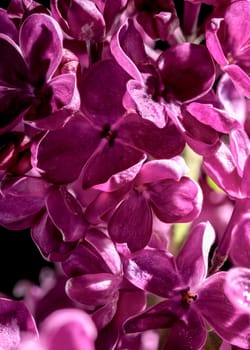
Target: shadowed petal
pixel 132 222
pixel 42 47
pixel 188 335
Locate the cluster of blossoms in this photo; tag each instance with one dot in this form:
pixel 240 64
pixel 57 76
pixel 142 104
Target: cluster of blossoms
pixel 101 104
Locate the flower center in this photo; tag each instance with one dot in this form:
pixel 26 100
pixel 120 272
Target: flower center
pixel 188 297
pixel 109 134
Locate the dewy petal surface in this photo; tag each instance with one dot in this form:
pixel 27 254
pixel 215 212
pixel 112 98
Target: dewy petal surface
pixel 192 261
pixel 42 47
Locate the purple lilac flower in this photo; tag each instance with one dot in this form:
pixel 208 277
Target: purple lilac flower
pixel 191 298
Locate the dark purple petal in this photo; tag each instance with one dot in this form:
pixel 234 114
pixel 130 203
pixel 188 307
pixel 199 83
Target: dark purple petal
pixel 187 335
pixel 42 47
pixel 218 311
pixel 16 323
pixel 175 201
pixel 160 143
pixel 162 315
pixel 57 161
pixel 93 289
pixel 7 26
pixel 187 71
pixel 96 100
pixel 240 78
pixel 66 213
pixel 153 271
pixel 109 159
pixel 131 222
pixel 49 239
pixel 192 261
pixel 18 212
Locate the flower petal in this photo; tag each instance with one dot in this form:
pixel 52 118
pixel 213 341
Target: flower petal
pixel 192 261
pixel 131 223
pixel 42 48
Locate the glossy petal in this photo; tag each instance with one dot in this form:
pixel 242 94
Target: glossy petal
pixel 215 118
pixel 174 201
pixel 93 289
pixel 132 222
pixel 240 247
pixel 192 261
pixel 153 271
pixel 42 48
pixel 237 288
pixel 219 312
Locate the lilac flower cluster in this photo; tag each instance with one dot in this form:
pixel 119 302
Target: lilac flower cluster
pixel 102 104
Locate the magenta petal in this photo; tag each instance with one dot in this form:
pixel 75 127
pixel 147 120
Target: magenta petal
pixel 66 213
pixel 157 170
pixel 175 201
pixel 132 222
pixel 42 48
pixel 108 160
pixel 192 261
pixel 220 166
pixel 240 246
pixel 154 271
pixel 187 71
pixel 189 335
pixel 240 78
pixel 59 163
pixel 7 26
pixel 237 287
pixel 219 312
pixel 16 323
pixel 93 289
pixel 217 119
